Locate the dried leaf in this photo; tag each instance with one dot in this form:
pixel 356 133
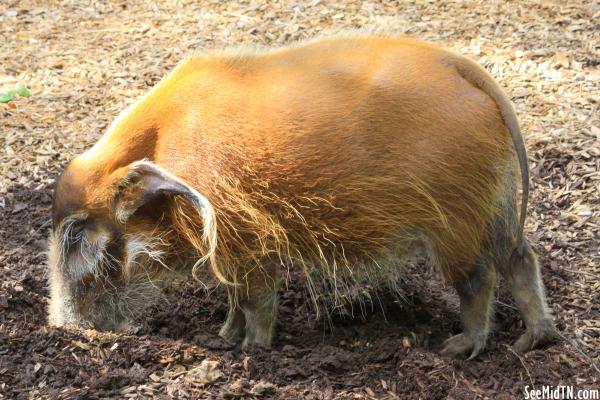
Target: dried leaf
pixel 206 372
pixel 561 59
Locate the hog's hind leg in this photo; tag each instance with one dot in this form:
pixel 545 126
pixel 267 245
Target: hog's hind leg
pixel 522 272
pixel 476 294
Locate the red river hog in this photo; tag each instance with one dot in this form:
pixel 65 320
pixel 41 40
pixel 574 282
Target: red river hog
pixel 344 157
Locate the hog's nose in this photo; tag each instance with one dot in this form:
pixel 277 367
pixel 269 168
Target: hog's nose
pixel 123 326
pixel 111 325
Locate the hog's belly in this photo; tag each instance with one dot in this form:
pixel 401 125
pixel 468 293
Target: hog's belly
pixel 349 287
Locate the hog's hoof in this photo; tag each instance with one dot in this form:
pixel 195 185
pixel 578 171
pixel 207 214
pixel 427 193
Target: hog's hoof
pixel 460 344
pixel 543 333
pixel 230 334
pixel 233 333
pixel 260 335
pixel 263 341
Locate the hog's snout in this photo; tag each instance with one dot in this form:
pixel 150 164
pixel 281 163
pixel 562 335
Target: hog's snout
pixel 68 312
pixel 100 277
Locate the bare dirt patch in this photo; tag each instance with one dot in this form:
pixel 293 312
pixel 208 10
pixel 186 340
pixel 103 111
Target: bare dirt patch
pixel 83 63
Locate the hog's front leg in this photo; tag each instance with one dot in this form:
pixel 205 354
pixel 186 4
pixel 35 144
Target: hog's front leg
pixel 253 308
pixel 260 315
pixel 234 326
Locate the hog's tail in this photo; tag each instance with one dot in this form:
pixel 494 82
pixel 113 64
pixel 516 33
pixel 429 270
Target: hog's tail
pixel 480 78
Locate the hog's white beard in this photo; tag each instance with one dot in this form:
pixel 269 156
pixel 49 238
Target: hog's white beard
pixel 142 252
pixel 106 302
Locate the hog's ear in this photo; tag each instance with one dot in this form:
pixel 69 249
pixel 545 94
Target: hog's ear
pixel 145 181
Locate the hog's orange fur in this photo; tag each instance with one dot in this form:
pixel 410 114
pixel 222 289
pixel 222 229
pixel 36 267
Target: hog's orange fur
pixel 337 154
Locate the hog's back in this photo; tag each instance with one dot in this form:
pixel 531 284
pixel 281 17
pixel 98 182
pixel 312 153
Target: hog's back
pixel 365 141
